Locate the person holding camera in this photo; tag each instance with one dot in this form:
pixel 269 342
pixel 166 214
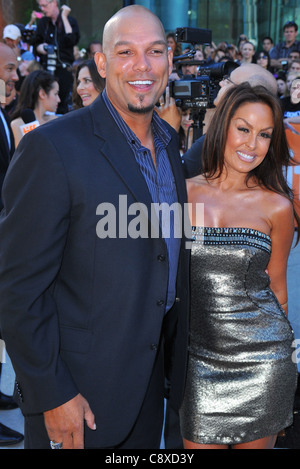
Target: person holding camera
pixel 280 53
pixel 56 35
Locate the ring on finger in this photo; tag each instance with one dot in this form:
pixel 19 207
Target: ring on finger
pixel 54 445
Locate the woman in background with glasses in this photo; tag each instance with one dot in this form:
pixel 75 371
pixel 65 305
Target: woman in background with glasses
pixel 263 59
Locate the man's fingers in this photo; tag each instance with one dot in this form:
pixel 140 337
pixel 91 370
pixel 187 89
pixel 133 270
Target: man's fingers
pixel 167 98
pixel 68 441
pixel 89 417
pixel 65 424
pixel 77 438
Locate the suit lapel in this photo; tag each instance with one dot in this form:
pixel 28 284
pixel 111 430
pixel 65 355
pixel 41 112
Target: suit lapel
pixel 175 161
pixel 114 147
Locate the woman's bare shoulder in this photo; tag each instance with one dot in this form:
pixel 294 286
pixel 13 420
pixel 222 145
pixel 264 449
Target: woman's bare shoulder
pixel 276 202
pixel 278 209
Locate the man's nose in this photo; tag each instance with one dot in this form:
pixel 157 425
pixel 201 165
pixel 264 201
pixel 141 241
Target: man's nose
pixel 142 62
pixel 15 76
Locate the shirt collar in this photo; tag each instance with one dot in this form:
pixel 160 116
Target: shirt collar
pixel 159 128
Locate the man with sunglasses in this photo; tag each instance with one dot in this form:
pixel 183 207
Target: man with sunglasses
pixel 282 50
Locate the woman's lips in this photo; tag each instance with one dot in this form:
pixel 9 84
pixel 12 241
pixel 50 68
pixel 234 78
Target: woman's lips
pixel 246 156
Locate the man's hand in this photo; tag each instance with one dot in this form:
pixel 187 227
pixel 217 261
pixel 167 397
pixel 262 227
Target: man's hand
pixel 42 48
pixel 65 10
pixel 169 111
pixel 65 424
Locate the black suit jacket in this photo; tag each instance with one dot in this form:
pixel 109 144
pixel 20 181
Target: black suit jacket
pixel 5 157
pixel 5 152
pixel 79 313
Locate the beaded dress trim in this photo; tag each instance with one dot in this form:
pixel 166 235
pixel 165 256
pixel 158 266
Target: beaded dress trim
pixel 231 236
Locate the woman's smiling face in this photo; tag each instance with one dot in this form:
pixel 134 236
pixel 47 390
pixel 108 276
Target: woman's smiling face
pixel 85 87
pixel 249 136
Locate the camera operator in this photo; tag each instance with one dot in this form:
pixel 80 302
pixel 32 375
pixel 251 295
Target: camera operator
pixel 189 69
pixel 56 35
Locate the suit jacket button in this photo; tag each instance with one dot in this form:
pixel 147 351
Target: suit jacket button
pixel 160 302
pixel 154 347
pixel 161 258
pixel 20 395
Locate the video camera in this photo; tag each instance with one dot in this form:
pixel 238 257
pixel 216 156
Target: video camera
pixel 197 92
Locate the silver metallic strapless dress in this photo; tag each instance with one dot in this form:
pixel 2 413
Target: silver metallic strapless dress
pixel 241 378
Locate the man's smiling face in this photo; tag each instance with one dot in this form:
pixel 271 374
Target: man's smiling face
pixel 136 63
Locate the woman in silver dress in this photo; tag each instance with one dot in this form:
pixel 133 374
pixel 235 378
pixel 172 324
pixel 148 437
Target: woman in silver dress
pixel 241 377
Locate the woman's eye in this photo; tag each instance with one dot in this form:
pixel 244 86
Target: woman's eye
pixel 243 129
pixel 266 135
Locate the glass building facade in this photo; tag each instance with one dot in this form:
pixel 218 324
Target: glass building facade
pixel 228 18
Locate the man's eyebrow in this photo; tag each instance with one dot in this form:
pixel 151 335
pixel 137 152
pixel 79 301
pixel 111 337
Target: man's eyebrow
pixel 160 42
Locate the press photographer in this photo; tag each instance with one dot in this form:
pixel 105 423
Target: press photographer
pixel 199 83
pixel 56 35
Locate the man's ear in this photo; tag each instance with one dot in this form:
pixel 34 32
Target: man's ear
pixel 100 60
pixel 170 60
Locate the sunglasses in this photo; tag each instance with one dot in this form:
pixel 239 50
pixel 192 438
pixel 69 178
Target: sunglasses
pixel 228 80
pixel 290 23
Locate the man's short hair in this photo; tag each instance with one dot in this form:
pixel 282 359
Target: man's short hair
pixel 50 1
pixel 290 24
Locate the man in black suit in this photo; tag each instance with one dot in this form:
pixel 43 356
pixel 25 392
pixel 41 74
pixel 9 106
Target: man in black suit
pixel 8 77
pixel 93 288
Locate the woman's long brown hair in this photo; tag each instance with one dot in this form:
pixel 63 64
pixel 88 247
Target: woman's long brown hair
pixel 271 173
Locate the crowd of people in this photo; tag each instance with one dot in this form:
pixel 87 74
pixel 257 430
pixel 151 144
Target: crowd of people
pixel 56 27
pixel 282 60
pixel 101 327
